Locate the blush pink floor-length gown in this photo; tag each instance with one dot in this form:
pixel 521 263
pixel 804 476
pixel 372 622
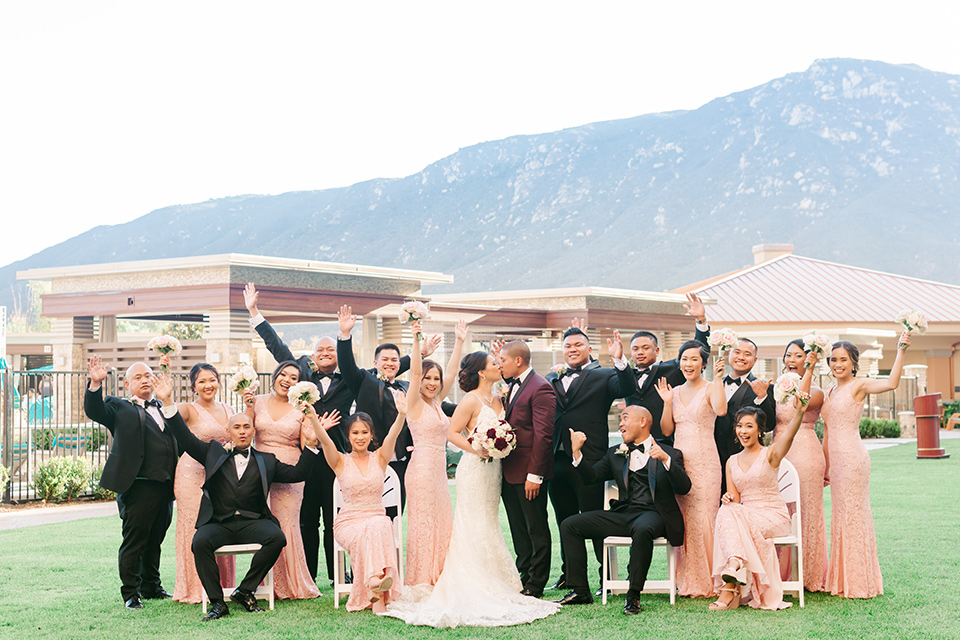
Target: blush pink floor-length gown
pixel 806 454
pixel 291 577
pixel 854 569
pixel 363 528
pixel 693 436
pixel 188 489
pixel 429 511
pixel 746 531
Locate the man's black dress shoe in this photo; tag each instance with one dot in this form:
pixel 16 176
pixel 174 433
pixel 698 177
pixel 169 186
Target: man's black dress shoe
pixel 217 610
pixel 158 595
pixel 133 603
pixel 632 606
pixel 561 583
pixel 599 594
pixel 575 598
pixel 246 600
pixel 533 594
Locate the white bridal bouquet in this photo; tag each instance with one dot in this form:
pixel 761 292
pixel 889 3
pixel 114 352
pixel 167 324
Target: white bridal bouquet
pixel 303 392
pixel 816 342
pixel 913 321
pixel 725 339
pixel 412 311
pixel 493 435
pixel 165 344
pixel 787 386
pixel 245 378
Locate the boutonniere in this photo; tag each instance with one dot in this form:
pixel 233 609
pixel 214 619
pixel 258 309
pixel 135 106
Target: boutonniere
pixel 622 450
pixel 632 364
pixel 381 377
pixel 559 369
pixel 312 365
pixel 228 447
pixel 501 389
pixel 137 401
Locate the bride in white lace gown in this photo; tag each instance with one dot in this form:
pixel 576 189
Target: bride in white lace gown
pixel 479 585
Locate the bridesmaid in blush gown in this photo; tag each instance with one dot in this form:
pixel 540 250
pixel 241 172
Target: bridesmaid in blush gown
pixel 752 514
pixel 278 426
pixel 854 570
pixel 806 454
pixel 429 512
pixel 362 526
pixel 207 419
pixel 691 410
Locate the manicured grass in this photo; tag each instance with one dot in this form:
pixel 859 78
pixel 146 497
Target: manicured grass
pixel 60 581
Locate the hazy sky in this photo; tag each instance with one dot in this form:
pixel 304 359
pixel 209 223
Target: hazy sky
pixel 110 110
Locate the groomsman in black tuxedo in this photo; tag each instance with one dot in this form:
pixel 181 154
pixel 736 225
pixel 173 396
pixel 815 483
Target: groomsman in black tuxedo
pixel 742 389
pixel 642 373
pixel 649 476
pixel 370 386
pixel 140 469
pixel 234 509
pixel 585 391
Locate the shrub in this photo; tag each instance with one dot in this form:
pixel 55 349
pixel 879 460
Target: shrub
pixel 4 478
pixel 453 457
pixel 98 438
pixel 99 492
pixel 43 438
pixel 950 408
pixel 61 479
pixel 868 428
pixel 879 428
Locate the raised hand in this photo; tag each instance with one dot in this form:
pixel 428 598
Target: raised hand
pixel 577 438
pixel 250 296
pixel 658 453
pixel 496 347
pixel 461 331
pixel 430 345
pixel 347 320
pixel 417 327
pixel 307 409
pixel 760 387
pixel 615 346
pixel 400 399
pixel 811 360
pixel 96 370
pixel 163 388
pixel 579 323
pixel 330 420
pixel 904 341
pixel 800 401
pixel 719 366
pixel 664 390
pixel 695 307
pixel 249 397
pixel 165 360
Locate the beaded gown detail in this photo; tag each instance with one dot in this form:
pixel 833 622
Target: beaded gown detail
pixel 693 435
pixel 746 531
pixel 291 577
pixel 188 489
pixel 363 528
pixel 854 568
pixel 479 585
pixel 806 454
pixel 429 511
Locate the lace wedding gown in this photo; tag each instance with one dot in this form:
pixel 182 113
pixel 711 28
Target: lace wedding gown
pixel 479 585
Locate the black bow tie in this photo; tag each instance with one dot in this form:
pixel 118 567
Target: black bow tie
pixel 153 402
pixel 732 380
pixel 511 381
pixel 241 452
pixel 642 372
pixel 571 371
pixel 320 375
pixel 635 447
pixel 393 384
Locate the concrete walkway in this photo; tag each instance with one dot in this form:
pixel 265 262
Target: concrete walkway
pixel 48 515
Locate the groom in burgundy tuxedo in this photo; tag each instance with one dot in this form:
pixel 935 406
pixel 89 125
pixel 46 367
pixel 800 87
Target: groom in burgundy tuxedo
pixel 530 410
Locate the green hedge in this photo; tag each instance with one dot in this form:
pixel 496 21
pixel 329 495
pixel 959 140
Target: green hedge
pixel 61 478
pixel 44 438
pixel 879 428
pixel 95 488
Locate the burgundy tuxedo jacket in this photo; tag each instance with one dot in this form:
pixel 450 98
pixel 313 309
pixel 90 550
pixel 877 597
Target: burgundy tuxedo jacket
pixel 531 413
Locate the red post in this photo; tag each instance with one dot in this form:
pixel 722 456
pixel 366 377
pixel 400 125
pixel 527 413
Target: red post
pixel 928 410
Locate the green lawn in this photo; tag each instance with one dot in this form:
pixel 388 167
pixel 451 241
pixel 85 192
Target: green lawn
pixel 61 581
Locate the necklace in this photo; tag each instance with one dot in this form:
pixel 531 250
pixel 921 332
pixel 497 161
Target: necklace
pixel 485 401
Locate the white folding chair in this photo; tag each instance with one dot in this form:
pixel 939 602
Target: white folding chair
pixel 265 590
pixel 790 492
pixel 391 498
pixel 612 584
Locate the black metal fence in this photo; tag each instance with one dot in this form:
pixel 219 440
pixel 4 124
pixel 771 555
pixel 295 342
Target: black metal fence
pixel 41 417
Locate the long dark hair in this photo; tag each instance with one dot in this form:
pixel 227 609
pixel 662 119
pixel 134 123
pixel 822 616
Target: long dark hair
pixel 280 367
pixel 798 342
pixel 470 367
pixel 365 418
pixel 195 373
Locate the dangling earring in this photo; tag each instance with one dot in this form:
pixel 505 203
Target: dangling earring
pixel 483 377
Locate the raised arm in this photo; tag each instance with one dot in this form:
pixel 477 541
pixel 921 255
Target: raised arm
pixel 718 399
pixel 319 426
pixel 589 474
pixel 453 366
pixel 778 450
pixel 194 446
pixel 385 452
pixel 345 360
pixel 93 404
pixel 414 401
pixel 280 351
pixel 873 385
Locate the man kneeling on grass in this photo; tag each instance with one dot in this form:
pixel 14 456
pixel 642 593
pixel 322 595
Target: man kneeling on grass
pixel 233 509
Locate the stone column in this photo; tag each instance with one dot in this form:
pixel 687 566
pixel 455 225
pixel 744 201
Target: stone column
pixel 229 339
pixel 108 329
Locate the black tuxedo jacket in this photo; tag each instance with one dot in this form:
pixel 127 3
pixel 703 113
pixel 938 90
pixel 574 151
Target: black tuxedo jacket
pixel 723 431
pixel 340 396
pixel 212 456
pixel 127 423
pixel 664 485
pixel 646 396
pixel 372 395
pixel 585 407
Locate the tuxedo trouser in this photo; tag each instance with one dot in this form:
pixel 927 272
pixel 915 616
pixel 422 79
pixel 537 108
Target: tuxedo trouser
pixel 146 509
pixel 236 530
pixel 400 466
pixel 317 500
pixel 530 532
pixel 570 496
pixel 643 525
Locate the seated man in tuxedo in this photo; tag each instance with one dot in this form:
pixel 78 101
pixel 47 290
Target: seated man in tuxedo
pixel 639 376
pixel 743 389
pixel 234 509
pixel 649 476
